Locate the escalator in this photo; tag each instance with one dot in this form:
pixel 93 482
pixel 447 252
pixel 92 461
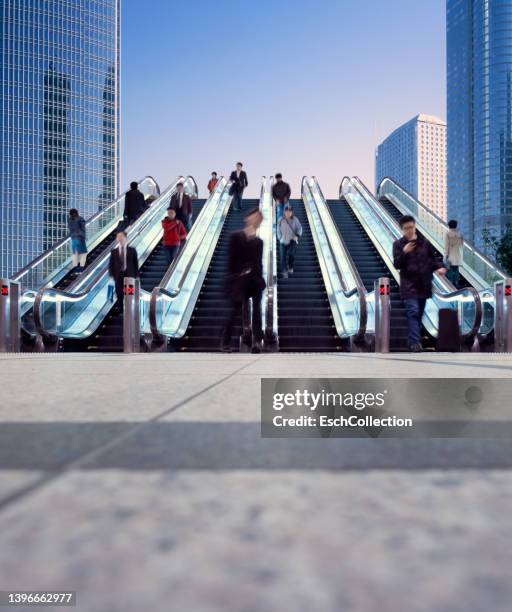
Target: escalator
pixel 205 328
pixel 370 266
pixel 109 336
pixel 305 319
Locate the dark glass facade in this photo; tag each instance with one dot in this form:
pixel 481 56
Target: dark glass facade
pixel 60 119
pixel 479 106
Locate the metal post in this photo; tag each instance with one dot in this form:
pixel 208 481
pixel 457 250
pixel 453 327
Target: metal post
pixel 131 315
pixel 9 316
pixel 382 314
pixel 503 316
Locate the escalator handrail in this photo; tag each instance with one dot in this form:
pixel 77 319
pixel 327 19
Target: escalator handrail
pixel 385 218
pixel 67 237
pixel 472 247
pixel 134 230
pixel 160 289
pixel 359 289
pixel 271 281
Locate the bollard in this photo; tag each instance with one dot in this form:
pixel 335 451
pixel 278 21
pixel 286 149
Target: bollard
pixel 382 314
pixel 9 316
pixel 131 315
pixel 503 316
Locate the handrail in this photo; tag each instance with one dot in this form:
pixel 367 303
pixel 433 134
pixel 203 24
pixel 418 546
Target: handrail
pixel 442 222
pixel 270 288
pixel 160 289
pixel 45 254
pixel 359 289
pixel 96 273
pixel 386 220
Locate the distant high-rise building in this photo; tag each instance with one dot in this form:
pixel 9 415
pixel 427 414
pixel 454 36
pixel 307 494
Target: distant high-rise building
pixel 414 155
pixel 59 121
pixel 479 111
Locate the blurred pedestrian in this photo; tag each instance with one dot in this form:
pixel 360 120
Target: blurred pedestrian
pixel 453 252
pixel 134 204
pixel 281 193
pixel 212 183
pixel 239 182
pixel 123 264
pixel 174 234
pixel 77 231
pixel 182 204
pixel 289 230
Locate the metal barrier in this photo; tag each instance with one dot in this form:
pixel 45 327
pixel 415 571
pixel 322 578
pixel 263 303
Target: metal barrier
pixel 131 315
pixel 503 316
pixel 382 314
pixel 9 316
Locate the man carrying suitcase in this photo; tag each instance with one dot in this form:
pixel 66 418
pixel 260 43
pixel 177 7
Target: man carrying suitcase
pixel 414 257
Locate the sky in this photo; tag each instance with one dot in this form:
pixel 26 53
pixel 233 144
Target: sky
pixel 292 86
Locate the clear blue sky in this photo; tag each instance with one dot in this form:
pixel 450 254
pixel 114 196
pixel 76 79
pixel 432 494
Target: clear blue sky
pixel 297 86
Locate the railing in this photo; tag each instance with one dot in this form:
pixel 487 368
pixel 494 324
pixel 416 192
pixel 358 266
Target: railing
pixel 54 263
pixel 383 232
pixel 77 313
pixel 267 232
pixel 171 304
pixel 349 300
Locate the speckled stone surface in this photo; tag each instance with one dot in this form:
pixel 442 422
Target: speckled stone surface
pixel 142 483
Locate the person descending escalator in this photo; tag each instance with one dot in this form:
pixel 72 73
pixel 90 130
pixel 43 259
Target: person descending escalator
pixel 123 264
pixel 414 257
pixel 174 234
pixel 76 226
pixel 182 204
pixel 281 193
pixel 134 204
pixel 453 243
pixel 239 182
pixel 244 279
pixel 212 183
pixel 289 230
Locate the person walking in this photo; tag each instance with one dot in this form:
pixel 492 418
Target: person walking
pixel 414 257
pixel 453 249
pixel 134 204
pixel 174 234
pixel 212 183
pixel 182 204
pixel 239 182
pixel 281 193
pixel 123 264
pixel 289 230
pixel 244 279
pixel 77 231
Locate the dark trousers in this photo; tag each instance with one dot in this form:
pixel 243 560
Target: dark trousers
pixel 453 275
pixel 171 252
pixel 119 281
pixel 237 200
pixel 235 308
pixel 414 309
pixel 288 255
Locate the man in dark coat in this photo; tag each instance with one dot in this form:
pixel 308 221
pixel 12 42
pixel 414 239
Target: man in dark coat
pixel 414 257
pixel 281 193
pixel 123 264
pixel 244 279
pixel 239 182
pixel 182 204
pixel 134 204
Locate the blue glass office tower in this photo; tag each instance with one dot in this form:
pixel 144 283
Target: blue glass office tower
pixel 60 119
pixel 479 111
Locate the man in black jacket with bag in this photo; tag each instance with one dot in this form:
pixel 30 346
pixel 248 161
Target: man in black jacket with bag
pixel 244 279
pixel 415 259
pixel 134 204
pixel 239 182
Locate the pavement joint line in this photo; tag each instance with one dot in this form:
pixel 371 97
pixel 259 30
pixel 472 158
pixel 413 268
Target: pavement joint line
pixel 46 479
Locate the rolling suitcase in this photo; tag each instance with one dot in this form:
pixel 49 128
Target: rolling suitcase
pixel 448 340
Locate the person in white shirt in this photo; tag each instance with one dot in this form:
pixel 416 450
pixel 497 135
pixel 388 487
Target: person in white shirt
pixel 453 246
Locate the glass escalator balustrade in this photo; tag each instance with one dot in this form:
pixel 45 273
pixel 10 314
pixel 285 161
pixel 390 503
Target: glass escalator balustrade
pixel 78 314
pixel 267 232
pixel 384 232
pixel 174 300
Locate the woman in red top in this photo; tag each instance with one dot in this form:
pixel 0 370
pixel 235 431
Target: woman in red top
pixel 174 233
pixel 212 183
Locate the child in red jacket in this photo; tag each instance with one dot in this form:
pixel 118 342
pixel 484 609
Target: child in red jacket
pixel 174 233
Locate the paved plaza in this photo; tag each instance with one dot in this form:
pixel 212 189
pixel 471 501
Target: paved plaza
pixel 142 483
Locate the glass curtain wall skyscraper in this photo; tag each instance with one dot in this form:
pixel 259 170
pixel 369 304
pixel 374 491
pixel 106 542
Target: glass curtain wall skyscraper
pixel 479 111
pixel 60 119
